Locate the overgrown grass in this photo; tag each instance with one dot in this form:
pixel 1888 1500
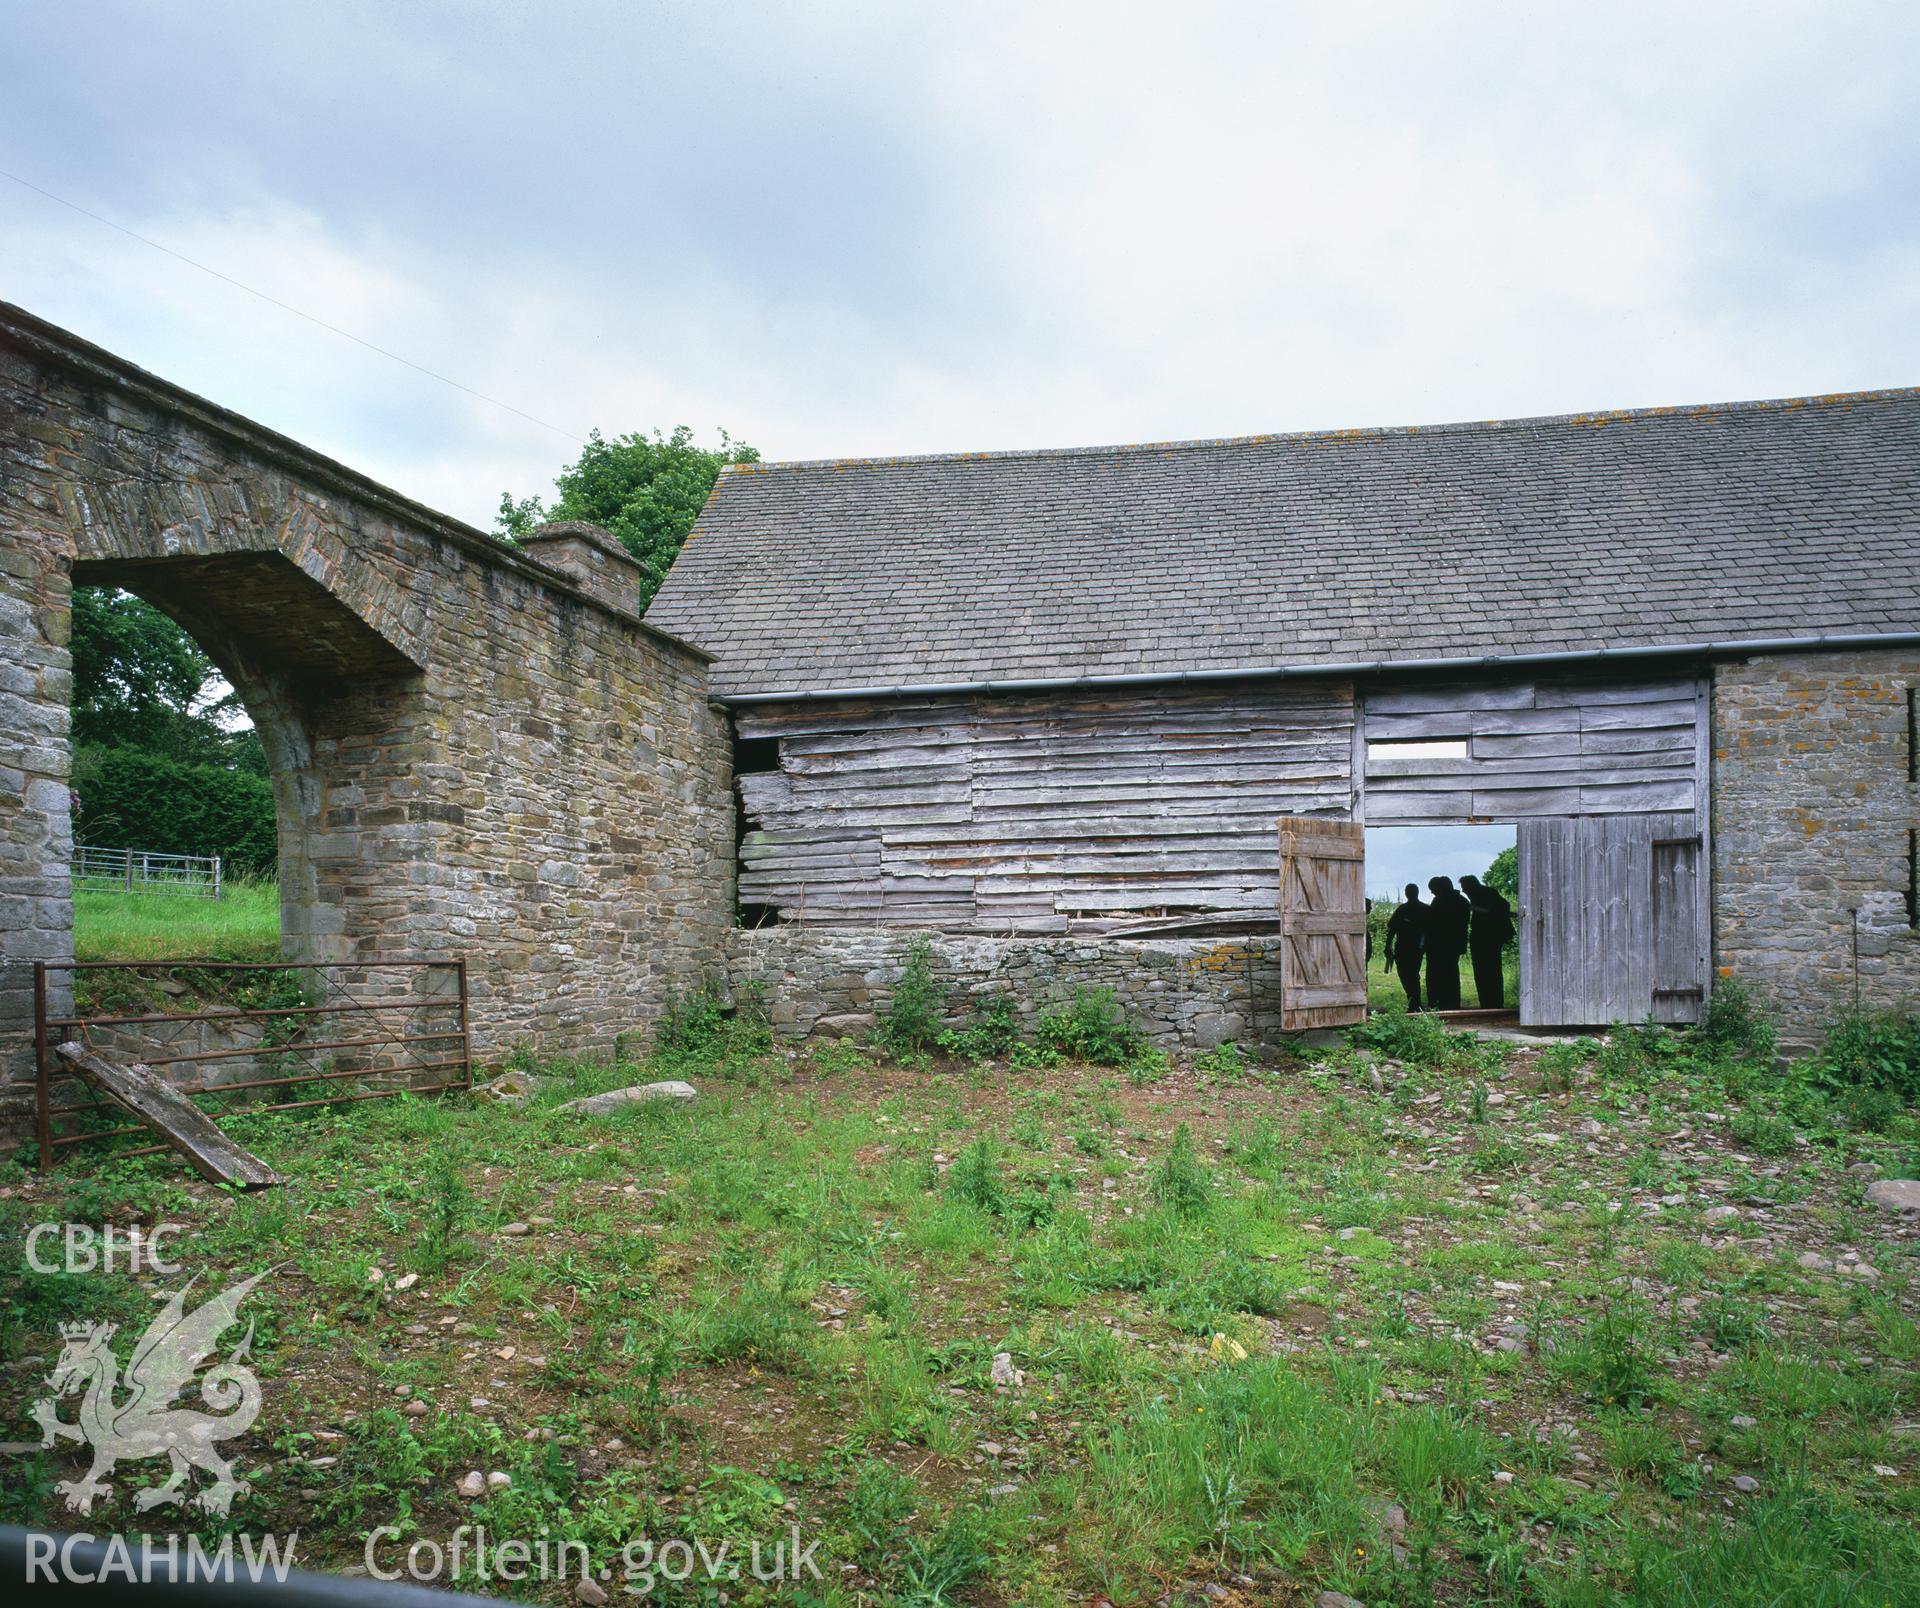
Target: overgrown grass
pixel 1043 1336
pixel 243 924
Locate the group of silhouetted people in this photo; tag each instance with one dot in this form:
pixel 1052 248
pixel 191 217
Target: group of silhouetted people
pixel 1438 932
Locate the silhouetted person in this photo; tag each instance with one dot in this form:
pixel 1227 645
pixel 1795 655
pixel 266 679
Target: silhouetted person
pixel 1407 942
pixel 1492 932
pixel 1448 918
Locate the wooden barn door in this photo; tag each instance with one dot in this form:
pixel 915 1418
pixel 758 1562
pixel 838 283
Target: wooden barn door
pixel 1610 920
pixel 1323 923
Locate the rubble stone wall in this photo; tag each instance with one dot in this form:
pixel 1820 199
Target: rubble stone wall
pixel 1188 993
pixel 1812 807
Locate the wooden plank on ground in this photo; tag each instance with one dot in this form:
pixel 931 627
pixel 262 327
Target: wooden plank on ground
pixel 171 1115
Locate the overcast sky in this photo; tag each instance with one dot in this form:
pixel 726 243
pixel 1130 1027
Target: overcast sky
pixel 842 230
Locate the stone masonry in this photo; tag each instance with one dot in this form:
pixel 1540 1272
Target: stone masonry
pixel 1812 806
pixel 475 753
pixel 1188 993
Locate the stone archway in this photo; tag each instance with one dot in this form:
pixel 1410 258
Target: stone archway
pixel 477 751
pixel 323 691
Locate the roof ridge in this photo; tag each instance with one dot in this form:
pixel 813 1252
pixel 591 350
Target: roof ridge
pixel 1594 419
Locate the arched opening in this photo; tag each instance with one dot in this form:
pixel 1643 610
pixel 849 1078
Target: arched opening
pixel 324 694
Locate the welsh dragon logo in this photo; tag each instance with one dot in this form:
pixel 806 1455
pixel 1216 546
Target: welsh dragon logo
pixel 146 1423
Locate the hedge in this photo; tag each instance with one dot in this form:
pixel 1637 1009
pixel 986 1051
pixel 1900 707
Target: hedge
pixel 131 799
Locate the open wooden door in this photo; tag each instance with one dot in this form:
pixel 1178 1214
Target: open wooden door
pixel 1611 920
pixel 1323 923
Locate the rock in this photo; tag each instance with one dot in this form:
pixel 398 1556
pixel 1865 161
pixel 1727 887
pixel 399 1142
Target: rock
pixel 591 1592
pixel 510 1089
pixel 1864 1271
pixel 515 1230
pixel 598 1105
pixel 416 1409
pixel 1814 1262
pixel 1337 1599
pixel 1503 1477
pixel 1005 1375
pixel 997 1492
pixel 1885 1472
pixel 1745 1484
pixel 497 1481
pixel 1720 1214
pixel 1742 1421
pixel 1895 1195
pixel 991 1448
pixel 472 1483
pixel 406 1281
pixel 1546 1136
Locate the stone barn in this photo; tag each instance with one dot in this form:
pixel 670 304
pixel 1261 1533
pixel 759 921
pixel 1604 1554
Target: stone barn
pixel 1053 706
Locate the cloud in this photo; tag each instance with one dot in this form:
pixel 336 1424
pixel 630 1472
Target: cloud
pixel 839 229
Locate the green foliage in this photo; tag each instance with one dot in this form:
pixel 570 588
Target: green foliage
pixel 1422 1039
pixel 1735 1026
pixel 1094 1028
pixel 1763 1132
pixel 703 1024
pixel 1226 1060
pixel 140 681
pixel 975 1177
pixel 1873 1050
pixel 646 490
pixel 447 1212
pixel 911 1025
pixel 132 799
pixel 1503 876
pixel 1180 1182
pixel 992 1029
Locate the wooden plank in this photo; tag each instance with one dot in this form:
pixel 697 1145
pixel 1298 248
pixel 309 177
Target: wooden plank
pixel 177 1120
pixel 1322 898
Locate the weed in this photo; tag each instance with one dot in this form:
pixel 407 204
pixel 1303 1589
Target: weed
pixel 911 1023
pixel 1613 1360
pixel 448 1212
pixel 1225 1060
pixel 1180 1182
pixel 1874 1049
pixel 975 1178
pixel 1762 1132
pixel 1093 1028
pixel 992 1029
pixel 932 1571
pixel 1735 1027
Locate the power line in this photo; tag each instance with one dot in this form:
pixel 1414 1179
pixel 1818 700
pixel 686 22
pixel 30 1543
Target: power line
pixel 288 307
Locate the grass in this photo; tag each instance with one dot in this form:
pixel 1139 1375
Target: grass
pixel 242 925
pixel 1384 992
pixel 1266 1329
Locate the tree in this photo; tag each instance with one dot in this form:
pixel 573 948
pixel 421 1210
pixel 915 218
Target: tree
pixel 140 681
pixel 646 490
pixel 1503 876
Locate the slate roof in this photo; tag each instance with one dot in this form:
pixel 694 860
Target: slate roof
pixel 1577 534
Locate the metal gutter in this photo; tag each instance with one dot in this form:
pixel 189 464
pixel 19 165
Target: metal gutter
pixel 1358 667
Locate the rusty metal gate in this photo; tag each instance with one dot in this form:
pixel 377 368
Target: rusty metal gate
pixel 328 1032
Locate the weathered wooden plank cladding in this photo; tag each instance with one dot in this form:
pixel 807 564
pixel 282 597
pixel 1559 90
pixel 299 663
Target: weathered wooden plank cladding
pixel 1058 812
pixel 1578 748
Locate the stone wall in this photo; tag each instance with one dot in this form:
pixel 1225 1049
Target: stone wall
pixel 1188 993
pixel 474 753
pixel 1812 804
